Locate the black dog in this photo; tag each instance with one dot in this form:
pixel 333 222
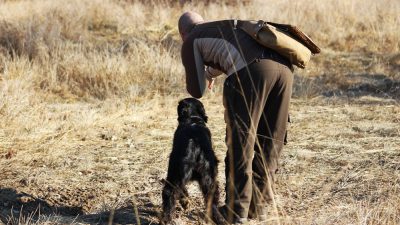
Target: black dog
pixel 192 159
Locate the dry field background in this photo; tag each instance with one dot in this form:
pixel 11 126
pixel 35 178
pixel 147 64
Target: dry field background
pixel 88 94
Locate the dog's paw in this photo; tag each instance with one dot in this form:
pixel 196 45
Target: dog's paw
pixel 164 221
pixel 172 222
pixel 184 203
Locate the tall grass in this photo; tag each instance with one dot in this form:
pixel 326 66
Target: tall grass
pixel 84 49
pixel 95 49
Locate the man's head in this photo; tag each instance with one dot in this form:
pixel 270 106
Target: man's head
pixel 187 21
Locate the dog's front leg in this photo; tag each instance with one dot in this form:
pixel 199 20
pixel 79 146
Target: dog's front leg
pixel 183 198
pixel 209 187
pixel 168 197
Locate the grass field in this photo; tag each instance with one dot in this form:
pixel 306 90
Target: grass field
pixel 88 95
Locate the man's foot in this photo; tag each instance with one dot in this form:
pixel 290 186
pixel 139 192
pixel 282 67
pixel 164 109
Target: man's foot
pixel 230 216
pixel 259 213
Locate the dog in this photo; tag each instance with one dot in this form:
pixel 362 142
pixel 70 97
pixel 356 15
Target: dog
pixel 192 159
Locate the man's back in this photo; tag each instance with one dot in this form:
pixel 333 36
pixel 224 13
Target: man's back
pixel 219 45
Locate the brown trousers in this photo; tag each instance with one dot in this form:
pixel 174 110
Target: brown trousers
pixel 256 101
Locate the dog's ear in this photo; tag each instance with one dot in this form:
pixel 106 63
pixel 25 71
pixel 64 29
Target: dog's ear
pixel 202 112
pixel 182 111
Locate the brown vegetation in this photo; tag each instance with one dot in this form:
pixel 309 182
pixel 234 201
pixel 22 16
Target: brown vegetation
pixel 88 91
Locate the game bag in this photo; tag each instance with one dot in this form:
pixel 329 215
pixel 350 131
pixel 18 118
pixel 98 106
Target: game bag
pixel 285 39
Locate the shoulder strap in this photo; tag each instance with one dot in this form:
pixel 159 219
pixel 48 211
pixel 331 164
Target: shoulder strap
pixel 215 24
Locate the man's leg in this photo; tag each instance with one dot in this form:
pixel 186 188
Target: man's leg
pixel 244 101
pixel 238 170
pixel 271 133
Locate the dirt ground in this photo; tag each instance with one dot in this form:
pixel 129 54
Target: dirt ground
pixel 341 163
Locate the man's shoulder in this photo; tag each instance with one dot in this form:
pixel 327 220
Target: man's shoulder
pixel 206 30
pixel 211 28
pixel 216 24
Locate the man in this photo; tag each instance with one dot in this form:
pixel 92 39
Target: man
pixel 256 94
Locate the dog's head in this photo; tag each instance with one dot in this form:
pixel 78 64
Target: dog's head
pixel 191 110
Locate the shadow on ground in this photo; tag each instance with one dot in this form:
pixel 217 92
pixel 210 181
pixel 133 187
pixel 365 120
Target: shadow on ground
pixel 348 86
pixel 17 208
pixel 144 214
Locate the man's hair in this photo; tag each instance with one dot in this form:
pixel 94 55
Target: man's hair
pixel 188 20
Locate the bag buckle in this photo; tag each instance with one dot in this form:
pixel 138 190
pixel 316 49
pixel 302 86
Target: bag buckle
pixel 235 22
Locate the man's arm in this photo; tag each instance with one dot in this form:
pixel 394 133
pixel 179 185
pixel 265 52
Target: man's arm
pixel 194 69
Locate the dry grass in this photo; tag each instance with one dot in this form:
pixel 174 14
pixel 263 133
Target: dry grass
pixel 88 91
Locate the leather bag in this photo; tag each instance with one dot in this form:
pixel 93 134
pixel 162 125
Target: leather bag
pixel 285 39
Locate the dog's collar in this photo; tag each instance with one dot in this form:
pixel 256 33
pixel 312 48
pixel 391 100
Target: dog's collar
pixel 196 117
pixel 196 120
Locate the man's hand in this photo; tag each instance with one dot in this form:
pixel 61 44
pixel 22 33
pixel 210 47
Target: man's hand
pixel 211 74
pixel 211 83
